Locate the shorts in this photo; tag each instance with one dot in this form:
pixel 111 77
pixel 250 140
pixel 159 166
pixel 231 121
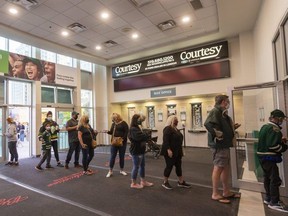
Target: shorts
pixel 221 157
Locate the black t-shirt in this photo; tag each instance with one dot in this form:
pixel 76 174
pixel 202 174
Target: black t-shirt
pixel 87 134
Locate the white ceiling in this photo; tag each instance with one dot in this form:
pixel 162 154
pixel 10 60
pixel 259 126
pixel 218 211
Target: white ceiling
pixel 218 19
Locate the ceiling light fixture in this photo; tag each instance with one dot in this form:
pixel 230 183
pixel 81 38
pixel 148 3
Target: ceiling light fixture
pixel 98 47
pixel 13 11
pixel 28 4
pixel 64 33
pixel 167 25
pixel 185 19
pixel 105 15
pixel 135 36
pixel 140 3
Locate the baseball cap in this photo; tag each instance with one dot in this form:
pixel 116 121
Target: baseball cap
pixel 75 113
pixel 277 113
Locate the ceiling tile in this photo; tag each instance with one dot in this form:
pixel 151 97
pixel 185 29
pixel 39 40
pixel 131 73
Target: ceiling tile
pixel 59 6
pixel 152 8
pixel 62 20
pixel 133 16
pixel 44 12
pixel 159 18
pixel 75 13
pixel 121 7
pixel 33 19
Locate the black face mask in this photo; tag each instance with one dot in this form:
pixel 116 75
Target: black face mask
pixel 75 117
pixel 139 122
pixel 87 121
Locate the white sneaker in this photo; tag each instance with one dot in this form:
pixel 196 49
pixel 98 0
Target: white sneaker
pixel 123 173
pixel 109 174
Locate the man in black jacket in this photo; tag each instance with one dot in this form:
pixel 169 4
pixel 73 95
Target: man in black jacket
pixel 221 135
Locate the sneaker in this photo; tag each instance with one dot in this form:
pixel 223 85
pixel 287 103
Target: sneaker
pixel 10 163
pixel 49 167
pixel 39 168
pixel 59 165
pixel 266 201
pixel 184 185
pixel 87 173
pixel 66 166
pixel 123 173
pixel 109 174
pixel 146 184
pixel 167 186
pixel 278 207
pixel 16 163
pixel 136 186
pixel 78 166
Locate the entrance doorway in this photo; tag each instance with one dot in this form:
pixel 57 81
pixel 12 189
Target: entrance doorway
pixel 2 131
pixel 22 116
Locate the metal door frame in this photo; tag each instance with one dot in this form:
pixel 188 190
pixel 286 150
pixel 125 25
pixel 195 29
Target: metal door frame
pixel 279 96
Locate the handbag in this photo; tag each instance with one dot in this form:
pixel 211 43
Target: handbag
pixel 116 141
pixel 94 142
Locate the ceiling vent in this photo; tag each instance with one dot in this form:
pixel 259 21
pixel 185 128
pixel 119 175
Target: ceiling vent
pixel 28 4
pixel 110 43
pixel 167 25
pixel 140 3
pixel 80 46
pixel 77 27
pixel 196 4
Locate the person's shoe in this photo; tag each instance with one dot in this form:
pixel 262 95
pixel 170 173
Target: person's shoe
pixel 78 166
pixel 278 207
pixel 167 186
pixel 9 163
pixel 66 166
pixel 16 163
pixel 109 174
pixel 184 185
pixel 146 184
pixel 123 173
pixel 87 173
pixel 49 167
pixel 59 165
pixel 266 201
pixel 39 168
pixel 136 186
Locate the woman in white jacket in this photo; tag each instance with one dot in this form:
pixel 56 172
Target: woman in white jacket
pixel 11 135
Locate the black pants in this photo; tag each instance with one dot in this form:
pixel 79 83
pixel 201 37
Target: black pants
pixel 272 180
pixel 75 146
pixel 88 155
pixel 170 162
pixel 54 145
pixel 13 151
pixel 46 155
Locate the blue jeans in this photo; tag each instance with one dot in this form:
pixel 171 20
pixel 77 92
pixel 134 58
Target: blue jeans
pixel 114 150
pixel 88 155
pixel 138 166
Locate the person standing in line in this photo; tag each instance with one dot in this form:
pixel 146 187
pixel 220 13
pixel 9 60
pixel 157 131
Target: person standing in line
pixel 271 145
pixel 173 152
pixel 137 149
pixel 221 136
pixel 54 135
pixel 119 128
pixel 85 136
pixel 74 144
pixel 11 135
pixel 46 147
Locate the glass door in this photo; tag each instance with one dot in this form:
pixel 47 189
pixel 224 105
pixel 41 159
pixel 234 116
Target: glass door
pixel 2 131
pixel 251 107
pixel 63 115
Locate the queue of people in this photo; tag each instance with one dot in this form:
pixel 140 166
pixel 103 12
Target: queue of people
pixel 221 137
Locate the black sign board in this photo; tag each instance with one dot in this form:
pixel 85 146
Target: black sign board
pixel 186 57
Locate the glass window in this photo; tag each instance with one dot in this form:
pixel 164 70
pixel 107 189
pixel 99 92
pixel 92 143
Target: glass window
pixel 278 58
pixel 286 42
pixel 1 91
pixel 19 93
pixel 20 48
pixel 64 96
pixel 47 94
pixel 3 43
pixel 86 66
pixel 89 112
pixel 86 98
pixel 47 56
pixel 64 60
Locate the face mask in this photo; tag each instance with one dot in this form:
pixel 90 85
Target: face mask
pixel 87 121
pixel 48 128
pixel 139 122
pixel 75 117
pixel 227 106
pixel 49 118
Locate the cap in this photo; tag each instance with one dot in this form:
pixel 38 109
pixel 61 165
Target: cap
pixel 277 113
pixel 75 113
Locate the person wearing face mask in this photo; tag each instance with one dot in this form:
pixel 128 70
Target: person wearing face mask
pixel 271 145
pixel 137 149
pixel 74 145
pixel 85 136
pixel 221 136
pixel 173 152
pixel 46 147
pixel 54 135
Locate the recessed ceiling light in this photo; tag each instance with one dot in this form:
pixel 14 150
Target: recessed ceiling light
pixel 105 15
pixel 98 47
pixel 13 11
pixel 64 33
pixel 185 19
pixel 135 35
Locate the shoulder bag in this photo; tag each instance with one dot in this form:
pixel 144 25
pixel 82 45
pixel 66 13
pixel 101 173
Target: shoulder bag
pixel 116 141
pixel 94 142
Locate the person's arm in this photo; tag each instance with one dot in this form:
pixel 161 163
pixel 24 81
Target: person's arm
pixel 81 140
pixel 166 141
pixel 126 130
pixel 70 127
pixel 276 142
